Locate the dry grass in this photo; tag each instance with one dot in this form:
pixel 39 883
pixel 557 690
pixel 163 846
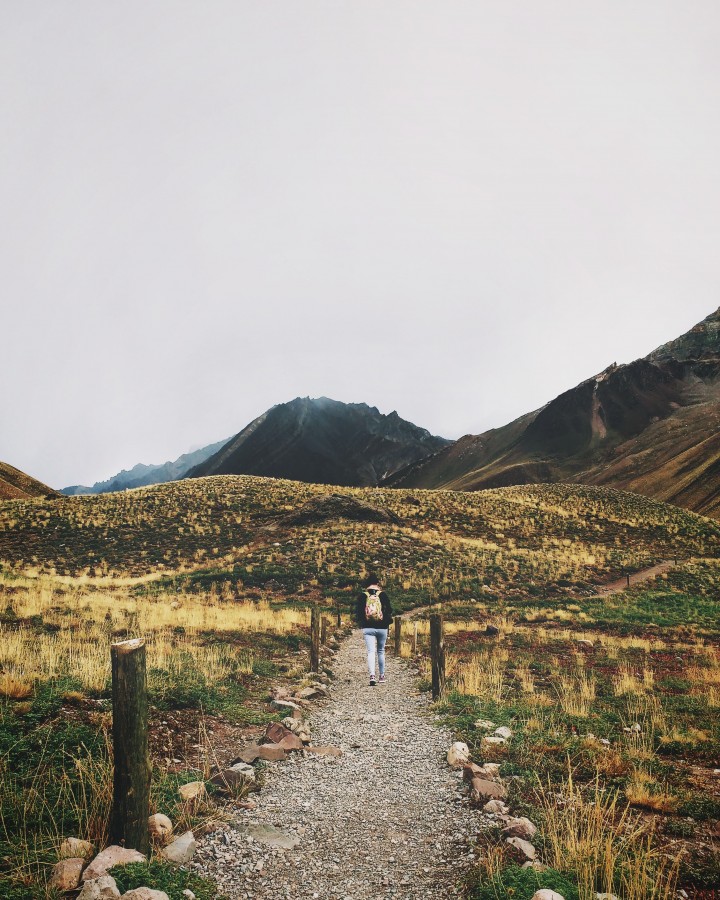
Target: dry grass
pixel 608 849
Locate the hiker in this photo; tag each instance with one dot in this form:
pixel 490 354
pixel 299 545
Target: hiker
pixel 374 615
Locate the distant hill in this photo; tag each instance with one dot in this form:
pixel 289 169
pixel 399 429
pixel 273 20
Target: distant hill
pixel 651 427
pixel 323 441
pixel 142 475
pixel 16 485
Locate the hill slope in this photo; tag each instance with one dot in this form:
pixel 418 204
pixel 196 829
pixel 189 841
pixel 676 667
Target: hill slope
pixel 323 441
pixel 650 426
pixel 16 485
pixel 143 475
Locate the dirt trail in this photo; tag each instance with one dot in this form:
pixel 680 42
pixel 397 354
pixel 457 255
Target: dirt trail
pixel 382 820
pixel 616 587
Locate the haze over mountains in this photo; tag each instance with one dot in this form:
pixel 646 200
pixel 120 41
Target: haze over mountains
pixel 650 427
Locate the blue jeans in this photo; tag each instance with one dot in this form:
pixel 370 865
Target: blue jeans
pixel 373 637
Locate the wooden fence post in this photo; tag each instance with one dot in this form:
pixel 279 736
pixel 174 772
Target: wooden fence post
pixel 398 634
pixel 414 638
pixel 324 622
pixel 437 656
pixel 315 640
pixel 131 778
pixel 628 579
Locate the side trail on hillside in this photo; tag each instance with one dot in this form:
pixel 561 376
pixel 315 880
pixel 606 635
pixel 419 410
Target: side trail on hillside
pixel 382 820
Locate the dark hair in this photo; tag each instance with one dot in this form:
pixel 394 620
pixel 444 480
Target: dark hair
pixel 371 579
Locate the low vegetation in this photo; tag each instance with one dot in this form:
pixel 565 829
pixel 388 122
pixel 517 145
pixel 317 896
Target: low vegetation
pixel 219 575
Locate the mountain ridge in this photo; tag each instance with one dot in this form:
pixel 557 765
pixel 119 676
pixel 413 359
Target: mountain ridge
pixel 649 426
pixel 322 441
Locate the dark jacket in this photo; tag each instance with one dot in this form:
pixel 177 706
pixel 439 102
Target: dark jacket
pixel 373 623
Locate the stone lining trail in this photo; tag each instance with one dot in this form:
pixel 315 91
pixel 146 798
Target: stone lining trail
pixel 383 820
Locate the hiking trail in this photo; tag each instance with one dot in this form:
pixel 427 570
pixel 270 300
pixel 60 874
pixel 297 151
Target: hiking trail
pixel 383 820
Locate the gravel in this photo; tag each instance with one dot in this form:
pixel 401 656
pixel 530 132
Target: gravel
pixel 385 819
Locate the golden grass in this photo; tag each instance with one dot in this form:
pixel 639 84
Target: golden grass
pixel 588 833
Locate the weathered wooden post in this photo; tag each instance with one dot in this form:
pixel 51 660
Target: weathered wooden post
pixel 315 640
pixel 398 633
pixel 414 638
pixel 627 575
pixel 324 622
pixel 131 779
pixel 437 656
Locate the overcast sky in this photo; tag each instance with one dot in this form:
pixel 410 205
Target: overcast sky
pixel 456 210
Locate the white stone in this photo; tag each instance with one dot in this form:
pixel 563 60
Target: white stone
pixel 547 894
pixel 73 848
pixel 103 888
pixel 181 850
pixel 144 893
pixel 458 754
pixel 494 739
pixel 193 790
pixel 525 847
pixel 504 732
pixel 111 856
pixel 159 825
pixel 484 724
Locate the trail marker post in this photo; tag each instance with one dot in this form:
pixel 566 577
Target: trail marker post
pixel 131 777
pixel 324 622
pixel 315 640
pixel 398 634
pixel 437 656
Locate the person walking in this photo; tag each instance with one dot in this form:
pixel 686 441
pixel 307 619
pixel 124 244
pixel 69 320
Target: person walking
pixel 374 615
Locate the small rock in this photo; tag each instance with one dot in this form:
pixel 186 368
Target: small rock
pixel 494 739
pixel 74 848
pixel 520 827
pixel 584 644
pixel 547 894
pixel 67 874
pixel 504 732
pixel 109 857
pixel 193 790
pixel 236 776
pixel 181 850
pixel 525 847
pixel 160 826
pixel 485 725
pixel 324 751
pixel 145 893
pixel 188 894
pixel 268 752
pixel 458 754
pixel 496 807
pixel 484 790
pixel 103 888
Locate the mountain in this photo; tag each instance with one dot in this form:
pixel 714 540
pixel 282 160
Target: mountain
pixel 142 475
pixel 16 485
pixel 322 441
pixel 651 427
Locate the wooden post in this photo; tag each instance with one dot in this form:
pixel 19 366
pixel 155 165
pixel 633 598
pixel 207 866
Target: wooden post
pixel 131 779
pixel 315 640
pixel 339 615
pixel 398 633
pixel 414 638
pixel 628 579
pixel 437 656
pixel 324 622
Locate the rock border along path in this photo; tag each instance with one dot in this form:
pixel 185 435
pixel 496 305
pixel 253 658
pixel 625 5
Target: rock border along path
pixel 383 820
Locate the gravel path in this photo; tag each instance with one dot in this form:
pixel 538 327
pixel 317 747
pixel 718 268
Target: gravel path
pixel 383 820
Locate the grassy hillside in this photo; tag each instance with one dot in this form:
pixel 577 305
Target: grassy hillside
pixel 242 531
pixel 217 575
